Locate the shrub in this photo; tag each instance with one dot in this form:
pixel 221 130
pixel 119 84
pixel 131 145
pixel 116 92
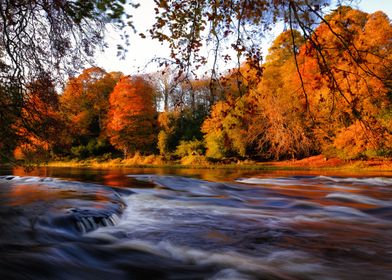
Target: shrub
pixel 216 145
pixel 80 152
pixel 195 160
pixel 153 159
pixel 188 148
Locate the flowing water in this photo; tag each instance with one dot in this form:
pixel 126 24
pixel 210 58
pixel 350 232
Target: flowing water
pixel 194 224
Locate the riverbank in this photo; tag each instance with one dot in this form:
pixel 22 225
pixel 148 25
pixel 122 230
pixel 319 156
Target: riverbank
pixel 314 162
pixel 322 162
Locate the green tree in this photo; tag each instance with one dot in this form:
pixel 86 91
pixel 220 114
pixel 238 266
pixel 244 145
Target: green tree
pixel 226 128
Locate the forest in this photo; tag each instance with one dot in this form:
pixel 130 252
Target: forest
pixel 332 98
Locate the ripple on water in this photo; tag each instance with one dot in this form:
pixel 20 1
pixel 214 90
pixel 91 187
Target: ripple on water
pixel 299 227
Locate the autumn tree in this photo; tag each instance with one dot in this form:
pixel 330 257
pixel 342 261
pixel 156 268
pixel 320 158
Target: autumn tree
pixel 85 100
pixel 185 104
pixel 279 128
pixel 318 87
pixel 216 137
pixel 227 26
pixel 352 95
pixel 41 111
pixel 227 127
pixel 47 38
pixel 131 123
pixel 300 107
pixel 85 104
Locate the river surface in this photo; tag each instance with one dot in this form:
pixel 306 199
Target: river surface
pixel 72 223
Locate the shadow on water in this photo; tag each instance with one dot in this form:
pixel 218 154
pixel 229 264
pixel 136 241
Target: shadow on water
pixel 80 223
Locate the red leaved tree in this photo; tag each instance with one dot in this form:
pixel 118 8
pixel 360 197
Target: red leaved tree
pixel 132 114
pixel 41 125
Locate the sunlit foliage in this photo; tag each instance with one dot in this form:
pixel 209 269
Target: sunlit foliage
pixel 47 39
pixel 84 105
pixel 299 107
pixel 131 124
pixel 323 88
pixel 45 125
pixel 353 93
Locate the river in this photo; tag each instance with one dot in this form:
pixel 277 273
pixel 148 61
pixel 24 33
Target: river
pixel 74 223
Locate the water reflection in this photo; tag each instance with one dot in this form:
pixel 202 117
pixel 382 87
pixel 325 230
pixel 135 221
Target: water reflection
pixel 115 176
pixel 26 194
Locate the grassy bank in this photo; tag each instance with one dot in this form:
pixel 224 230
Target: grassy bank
pixel 315 162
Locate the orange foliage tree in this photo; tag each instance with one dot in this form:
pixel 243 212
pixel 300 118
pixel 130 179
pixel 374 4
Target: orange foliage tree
pixel 351 98
pixel 132 115
pixel 85 101
pixel 279 128
pixel 42 129
pixel 332 96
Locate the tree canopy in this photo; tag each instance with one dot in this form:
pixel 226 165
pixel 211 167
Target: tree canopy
pixel 228 25
pixel 325 85
pixel 42 39
pixel 132 116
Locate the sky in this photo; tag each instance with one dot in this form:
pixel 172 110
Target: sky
pixel 142 51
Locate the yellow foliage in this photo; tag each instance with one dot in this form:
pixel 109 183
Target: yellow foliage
pixel 153 160
pixel 195 160
pixel 357 140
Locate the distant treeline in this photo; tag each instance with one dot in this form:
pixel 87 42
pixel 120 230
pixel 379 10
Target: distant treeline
pixel 308 100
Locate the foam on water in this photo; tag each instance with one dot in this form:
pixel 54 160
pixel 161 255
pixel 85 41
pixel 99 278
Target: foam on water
pixel 188 185
pixel 373 181
pixel 275 265
pixel 254 228
pixel 273 181
pixel 311 180
pixel 68 203
pixel 356 198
